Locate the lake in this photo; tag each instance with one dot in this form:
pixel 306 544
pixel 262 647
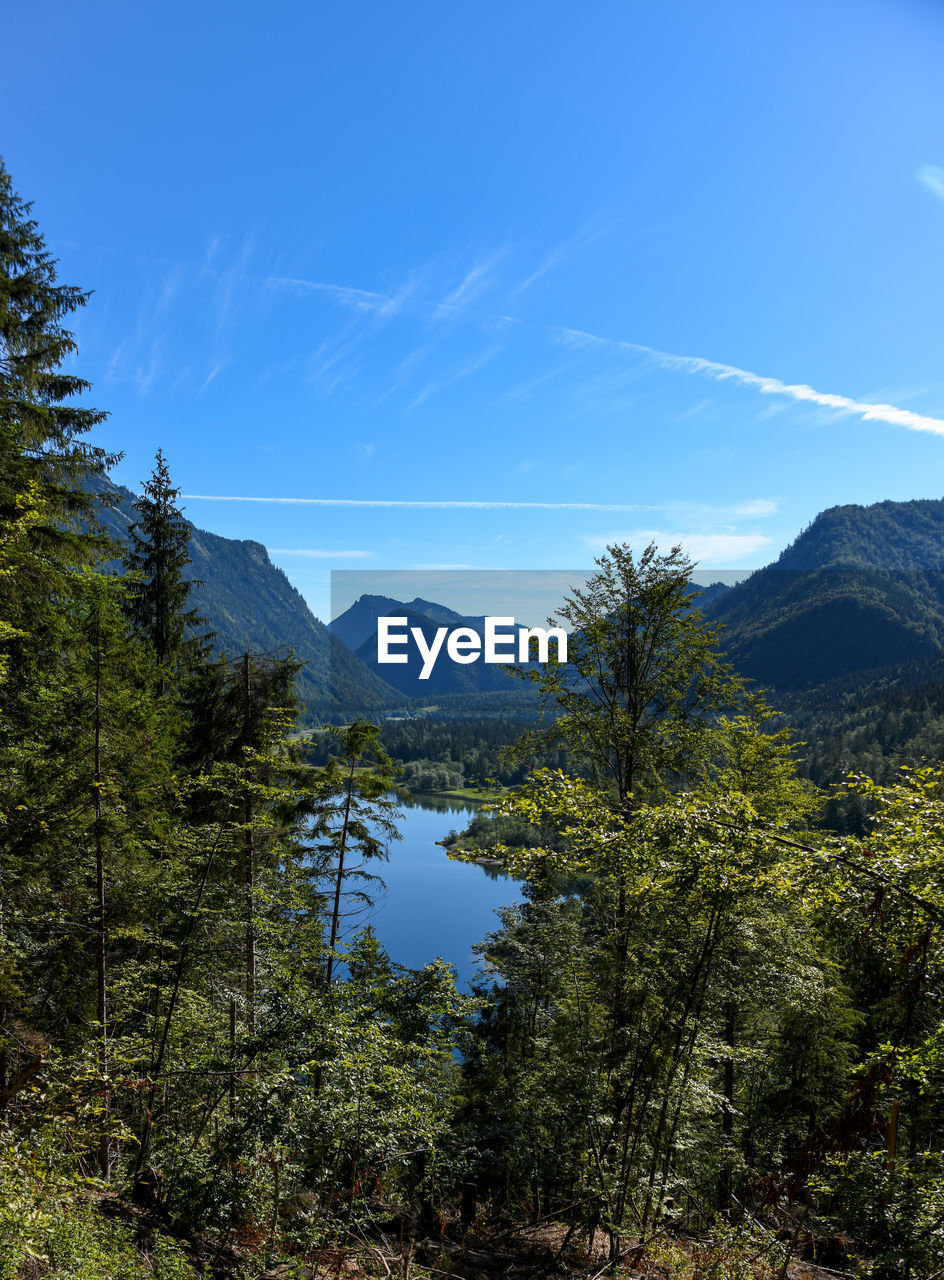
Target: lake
pixel 433 906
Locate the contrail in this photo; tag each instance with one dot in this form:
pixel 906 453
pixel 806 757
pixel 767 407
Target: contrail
pixel 869 412
pixel 437 504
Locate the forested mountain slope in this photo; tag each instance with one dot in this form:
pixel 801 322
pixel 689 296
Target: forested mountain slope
pixel 860 591
pixel 250 603
pixel 904 536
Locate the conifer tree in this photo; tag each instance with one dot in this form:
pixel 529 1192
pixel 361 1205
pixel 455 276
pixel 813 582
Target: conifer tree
pixel 43 459
pixel 353 817
pixel 158 554
pixel 45 518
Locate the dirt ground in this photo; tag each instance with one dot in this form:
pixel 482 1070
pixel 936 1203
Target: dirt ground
pixel 519 1254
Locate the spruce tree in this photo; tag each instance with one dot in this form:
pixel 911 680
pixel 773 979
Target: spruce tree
pixel 353 818
pixel 46 512
pixel 158 554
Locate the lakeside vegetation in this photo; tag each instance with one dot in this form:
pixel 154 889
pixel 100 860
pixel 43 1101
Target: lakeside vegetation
pixel 708 1041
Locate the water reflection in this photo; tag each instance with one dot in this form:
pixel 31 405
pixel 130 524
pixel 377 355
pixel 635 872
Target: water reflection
pixel 444 804
pixel 434 906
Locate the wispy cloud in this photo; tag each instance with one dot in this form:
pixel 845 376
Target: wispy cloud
pixel 145 372
pixel 384 306
pixel 341 356
pixel 457 374
pixel 475 282
pixel 332 363
pixel 229 282
pixel 754 507
pixel 524 390
pixel 757 507
pixel 170 287
pixel 562 252
pixel 395 302
pixel 405 370
pixel 868 412
pixel 358 299
pixel 428 504
pixel 933 178
pixel 209 378
pixel 720 548
pixel 693 411
pixel 319 553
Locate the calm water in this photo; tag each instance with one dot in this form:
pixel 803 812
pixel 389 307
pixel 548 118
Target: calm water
pixel 433 906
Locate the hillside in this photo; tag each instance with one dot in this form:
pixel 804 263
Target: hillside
pixel 860 592
pixel 857 597
pixel 889 536
pixel 250 603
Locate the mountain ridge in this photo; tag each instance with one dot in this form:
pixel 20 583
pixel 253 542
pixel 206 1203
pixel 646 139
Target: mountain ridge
pixel 250 604
pixel 858 592
pixel 891 535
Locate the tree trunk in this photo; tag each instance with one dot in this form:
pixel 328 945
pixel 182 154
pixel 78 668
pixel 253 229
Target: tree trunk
pixel 249 866
pixel 725 1189
pixel 102 1007
pixel 339 880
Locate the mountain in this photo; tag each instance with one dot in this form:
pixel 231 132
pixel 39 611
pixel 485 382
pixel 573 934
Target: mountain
pixel 357 626
pixel 708 597
pixel 249 603
pixel 859 592
pixel 888 536
pixel 857 597
pixel 359 623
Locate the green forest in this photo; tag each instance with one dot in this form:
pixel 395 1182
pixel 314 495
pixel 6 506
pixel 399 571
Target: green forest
pixel 707 1043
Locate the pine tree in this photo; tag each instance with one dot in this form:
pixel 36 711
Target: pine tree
pixel 353 817
pixel 88 792
pixel 158 554
pixel 45 519
pixel 45 512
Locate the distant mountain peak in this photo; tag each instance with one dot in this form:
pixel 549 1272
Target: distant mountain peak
pixel 888 535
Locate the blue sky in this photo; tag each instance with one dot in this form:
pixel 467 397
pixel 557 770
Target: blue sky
pixel 601 272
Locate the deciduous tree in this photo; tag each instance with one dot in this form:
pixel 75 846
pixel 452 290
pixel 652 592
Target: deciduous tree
pixel 644 677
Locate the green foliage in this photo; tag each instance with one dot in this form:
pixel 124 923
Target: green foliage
pixel 430 775
pixel 42 454
pixel 642 679
pixel 673 973
pixel 353 817
pixel 157 556
pixel 489 830
pixel 166 1031
pixel 695 1003
pixel 734 1253
pixel 250 604
pixel 893 1211
pixel 438 753
pixel 678 1024
pixel 52 1223
pixel 859 591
